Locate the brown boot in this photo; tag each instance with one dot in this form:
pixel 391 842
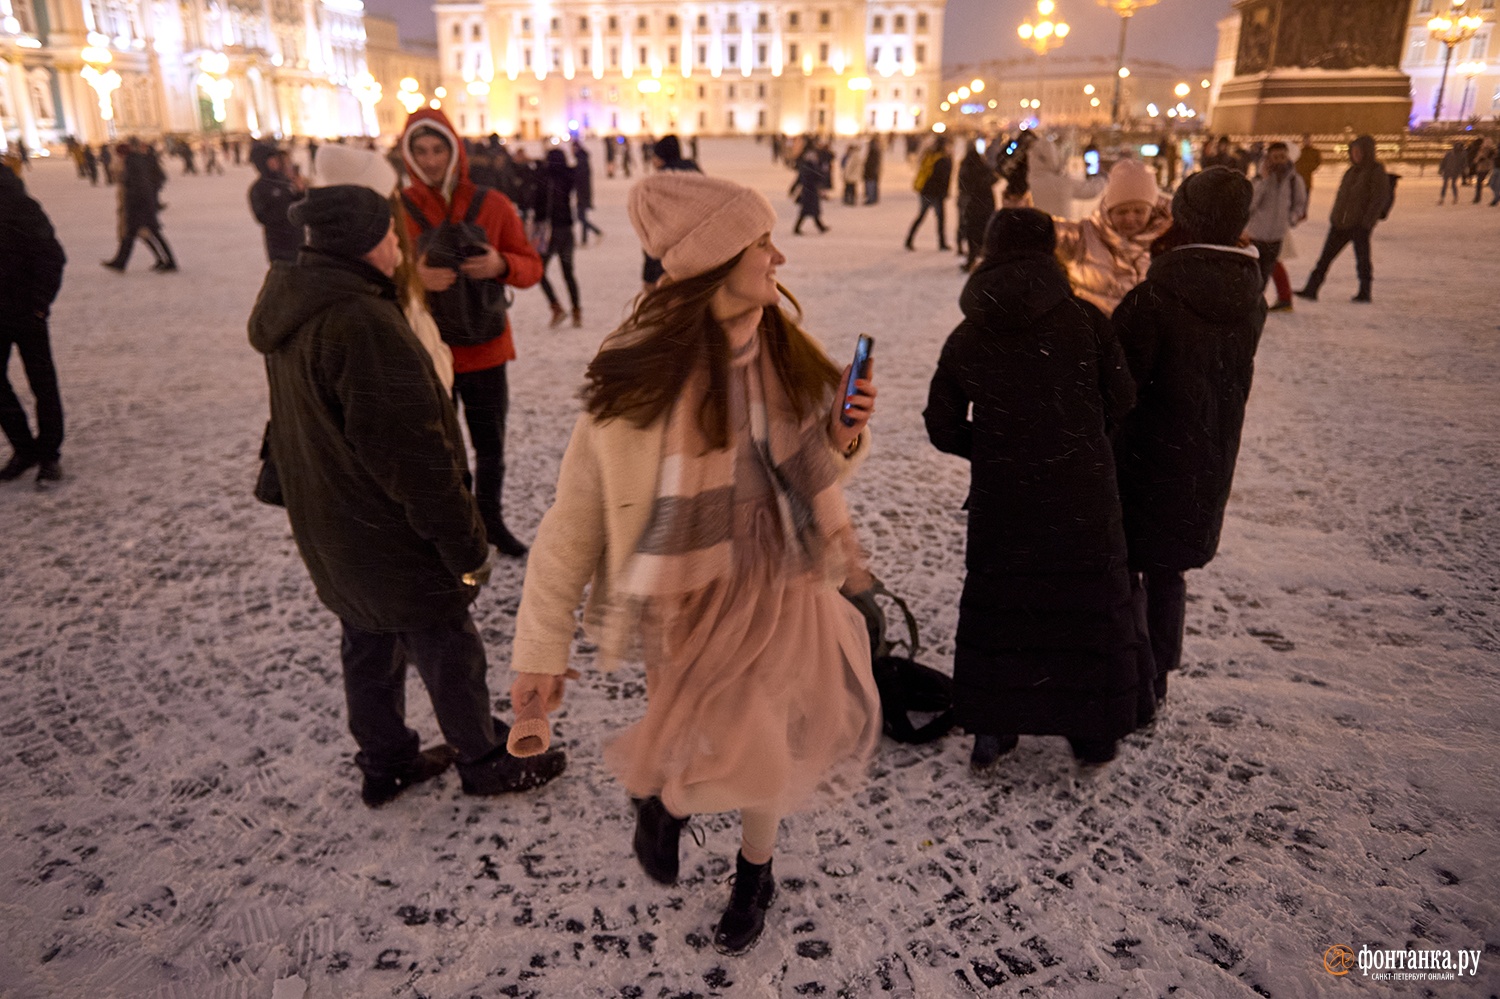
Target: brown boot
pixel 577 318
pixel 558 315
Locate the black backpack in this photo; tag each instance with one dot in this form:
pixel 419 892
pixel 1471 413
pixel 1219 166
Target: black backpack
pixel 905 685
pixel 471 312
pixel 1391 180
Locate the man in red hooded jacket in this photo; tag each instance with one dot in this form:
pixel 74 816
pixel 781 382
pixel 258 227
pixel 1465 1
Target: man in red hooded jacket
pixel 441 189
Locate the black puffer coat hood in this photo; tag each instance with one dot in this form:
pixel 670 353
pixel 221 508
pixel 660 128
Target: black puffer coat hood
pixel 1216 283
pixel 1011 293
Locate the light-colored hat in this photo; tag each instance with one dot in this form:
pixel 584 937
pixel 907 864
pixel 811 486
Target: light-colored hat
pixel 1129 180
pixel 693 223
pixel 339 164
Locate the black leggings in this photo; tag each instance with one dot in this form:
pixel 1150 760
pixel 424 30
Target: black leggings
pixel 562 249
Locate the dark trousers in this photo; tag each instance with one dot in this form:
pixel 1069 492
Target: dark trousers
pixel 1447 181
pixel 872 190
pixel 1269 254
pixel 150 233
pixel 450 660
pixel 585 226
pixel 29 336
pixel 1334 245
pixel 562 249
pixel 485 396
pixel 1161 601
pixel 942 225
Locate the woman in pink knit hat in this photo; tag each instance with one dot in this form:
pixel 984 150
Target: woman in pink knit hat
pixel 1109 252
pixel 701 500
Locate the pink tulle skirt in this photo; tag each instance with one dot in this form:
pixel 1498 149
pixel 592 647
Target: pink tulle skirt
pixel 758 689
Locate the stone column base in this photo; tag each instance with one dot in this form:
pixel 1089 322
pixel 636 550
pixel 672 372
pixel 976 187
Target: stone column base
pixel 1318 101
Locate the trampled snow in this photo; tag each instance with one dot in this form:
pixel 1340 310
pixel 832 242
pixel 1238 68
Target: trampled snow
pixel 180 809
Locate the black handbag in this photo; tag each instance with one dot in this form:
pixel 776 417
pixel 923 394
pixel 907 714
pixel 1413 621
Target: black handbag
pixel 268 480
pixel 905 685
pixel 471 312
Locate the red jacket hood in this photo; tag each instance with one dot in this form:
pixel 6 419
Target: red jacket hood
pixel 458 166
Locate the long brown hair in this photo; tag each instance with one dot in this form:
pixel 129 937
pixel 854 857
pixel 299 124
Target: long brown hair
pixel 407 282
pixel 644 364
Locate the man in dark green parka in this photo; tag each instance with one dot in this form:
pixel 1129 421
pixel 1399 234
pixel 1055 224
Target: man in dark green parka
pixel 372 471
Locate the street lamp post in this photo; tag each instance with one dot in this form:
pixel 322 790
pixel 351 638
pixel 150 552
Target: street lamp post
pixel 1451 28
pixel 1469 70
pixel 1041 36
pixel 1126 9
pixel 105 82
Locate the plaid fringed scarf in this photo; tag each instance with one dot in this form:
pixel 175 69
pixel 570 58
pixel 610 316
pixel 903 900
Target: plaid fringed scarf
pixel 688 542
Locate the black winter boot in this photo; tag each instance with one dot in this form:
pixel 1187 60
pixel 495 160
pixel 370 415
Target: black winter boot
pixel 499 535
pixel 502 773
pixel 1093 751
pixel 1364 293
pixel 988 749
pixel 740 926
pixel 657 832
pixel 381 788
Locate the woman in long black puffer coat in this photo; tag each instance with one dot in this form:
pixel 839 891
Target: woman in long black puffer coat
pixel 1189 332
pixel 976 202
pixel 1047 642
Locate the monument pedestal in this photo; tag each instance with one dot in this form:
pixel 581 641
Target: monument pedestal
pixel 1297 101
pixel 1317 66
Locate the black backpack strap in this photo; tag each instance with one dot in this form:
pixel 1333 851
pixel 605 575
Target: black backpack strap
pixel 475 203
pixel 416 213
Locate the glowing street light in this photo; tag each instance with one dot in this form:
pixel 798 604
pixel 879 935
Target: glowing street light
pixel 1043 34
pixel 1454 27
pixel 1182 90
pixel 977 86
pixel 410 97
pixel 368 93
pixel 1126 9
pixel 105 82
pixel 212 81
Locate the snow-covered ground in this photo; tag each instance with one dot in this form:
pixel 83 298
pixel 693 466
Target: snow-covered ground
pixel 179 813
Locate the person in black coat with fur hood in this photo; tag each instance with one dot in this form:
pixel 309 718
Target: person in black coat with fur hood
pixel 1190 331
pixel 1047 642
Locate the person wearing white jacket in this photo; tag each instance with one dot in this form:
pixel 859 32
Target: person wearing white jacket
pixel 1278 204
pixel 1052 190
pixel 342 164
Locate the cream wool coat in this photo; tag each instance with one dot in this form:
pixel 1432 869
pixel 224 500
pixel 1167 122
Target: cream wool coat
pixel 605 490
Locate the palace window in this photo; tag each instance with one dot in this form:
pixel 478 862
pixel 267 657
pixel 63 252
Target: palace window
pixel 644 58
pixel 458 32
pixel 900 20
pixel 823 52
pixel 702 22
pixel 526 24
pixel 791 53
pixel 760 55
pixel 640 23
pixel 734 55
pixel 702 54
pixel 556 25
pixel 793 20
pixel 921 55
pixel 671 22
pixel 583 24
pixel 921 22
pixel 732 93
pixel 614 24
pixel 823 19
pixel 478 32
pixel 734 21
pixel 878 24
pixel 762 21
pixel 671 53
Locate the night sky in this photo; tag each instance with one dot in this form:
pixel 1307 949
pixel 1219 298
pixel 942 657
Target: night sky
pixel 1180 32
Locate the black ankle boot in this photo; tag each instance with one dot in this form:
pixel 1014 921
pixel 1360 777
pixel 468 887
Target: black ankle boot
pixel 740 926
pixel 656 834
pixel 1093 751
pixel 988 749
pixel 1364 294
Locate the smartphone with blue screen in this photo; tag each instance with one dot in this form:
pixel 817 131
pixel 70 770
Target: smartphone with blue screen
pixel 1091 162
pixel 859 369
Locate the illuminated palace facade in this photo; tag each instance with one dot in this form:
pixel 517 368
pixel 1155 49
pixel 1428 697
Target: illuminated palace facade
pixel 95 69
pixel 547 67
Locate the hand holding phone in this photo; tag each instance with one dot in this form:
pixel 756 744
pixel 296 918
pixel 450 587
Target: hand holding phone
pixel 859 369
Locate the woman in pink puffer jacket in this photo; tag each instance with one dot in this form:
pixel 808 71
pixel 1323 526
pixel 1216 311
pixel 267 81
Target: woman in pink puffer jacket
pixel 1109 252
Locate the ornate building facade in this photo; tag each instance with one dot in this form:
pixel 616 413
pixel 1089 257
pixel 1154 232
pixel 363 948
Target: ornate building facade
pixel 1471 88
pixel 93 69
pixel 549 67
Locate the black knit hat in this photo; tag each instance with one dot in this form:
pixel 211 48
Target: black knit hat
pixel 347 220
pixel 1015 232
pixel 1213 206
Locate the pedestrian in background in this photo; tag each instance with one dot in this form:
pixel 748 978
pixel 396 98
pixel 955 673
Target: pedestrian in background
pixel 141 181
pixel 31 270
pixel 933 179
pixel 1364 195
pixel 273 192
pixel 554 207
pixel 1278 204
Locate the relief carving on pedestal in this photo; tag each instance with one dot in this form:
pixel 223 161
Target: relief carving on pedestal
pixel 1257 20
pixel 1340 34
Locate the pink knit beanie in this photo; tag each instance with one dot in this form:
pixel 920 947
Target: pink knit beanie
pixel 693 223
pixel 1130 180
